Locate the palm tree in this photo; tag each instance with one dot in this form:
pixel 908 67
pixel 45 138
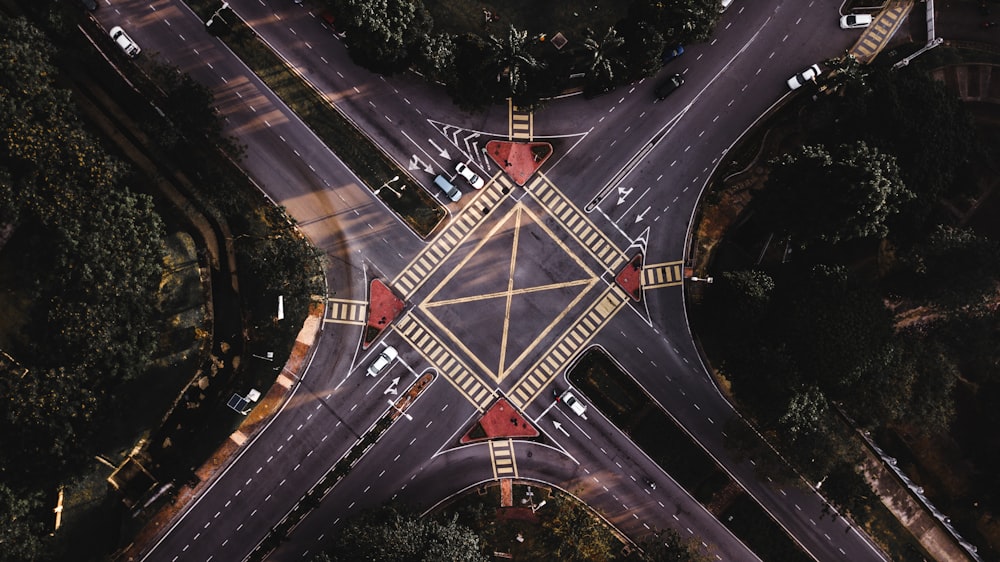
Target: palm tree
pixel 514 62
pixel 602 67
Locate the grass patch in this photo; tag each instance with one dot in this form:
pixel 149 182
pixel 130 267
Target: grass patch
pixel 415 206
pixel 627 406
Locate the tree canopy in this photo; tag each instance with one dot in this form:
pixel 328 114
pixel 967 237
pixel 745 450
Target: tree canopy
pixel 816 194
pixel 390 535
pixel 86 254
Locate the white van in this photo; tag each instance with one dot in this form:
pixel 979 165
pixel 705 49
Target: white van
pixel 448 188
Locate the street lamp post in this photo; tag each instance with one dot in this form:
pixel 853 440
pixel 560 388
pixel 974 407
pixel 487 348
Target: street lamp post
pixel 387 185
pixel 216 15
pixel 703 279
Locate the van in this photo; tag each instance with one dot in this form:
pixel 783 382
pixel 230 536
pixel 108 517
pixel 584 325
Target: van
pixel 448 188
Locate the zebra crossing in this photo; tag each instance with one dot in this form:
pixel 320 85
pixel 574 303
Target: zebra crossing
pixel 576 223
pixel 876 36
pixel 433 255
pixel 521 123
pixel 601 311
pixel 448 365
pixel 660 275
pixel 502 459
pixel 343 311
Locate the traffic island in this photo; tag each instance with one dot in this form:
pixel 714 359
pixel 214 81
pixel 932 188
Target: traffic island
pixel 519 160
pixel 501 421
pixel 383 308
pixel 630 278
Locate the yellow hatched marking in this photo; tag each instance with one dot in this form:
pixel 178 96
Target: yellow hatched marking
pixel 597 316
pixel 502 458
pixel 413 331
pixel 436 253
pixel 344 311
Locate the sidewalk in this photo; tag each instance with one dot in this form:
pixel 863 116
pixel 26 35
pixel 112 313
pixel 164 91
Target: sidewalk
pixel 258 419
pixel 880 32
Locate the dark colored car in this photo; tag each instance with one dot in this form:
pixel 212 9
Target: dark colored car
pixel 668 86
pixel 89 4
pixel 672 53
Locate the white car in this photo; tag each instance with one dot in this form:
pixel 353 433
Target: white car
pixel 574 404
pixel 809 74
pixel 467 173
pixel 383 362
pixel 724 5
pixel 855 21
pixel 124 41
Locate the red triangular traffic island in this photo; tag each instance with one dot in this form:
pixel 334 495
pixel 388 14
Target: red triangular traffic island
pixel 501 421
pixel 519 160
pixel 383 308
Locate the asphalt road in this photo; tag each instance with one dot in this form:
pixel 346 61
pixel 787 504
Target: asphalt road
pixel 656 156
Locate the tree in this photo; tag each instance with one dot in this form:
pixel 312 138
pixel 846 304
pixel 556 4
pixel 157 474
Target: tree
pixel 667 546
pixel 604 68
pixel 516 66
pixel 382 35
pixel 580 534
pixel 679 21
pixel 805 414
pixel 389 535
pixel 835 332
pixel 436 58
pixel 643 48
pixel 816 195
pixel 477 59
pixel 953 268
pixel 20 529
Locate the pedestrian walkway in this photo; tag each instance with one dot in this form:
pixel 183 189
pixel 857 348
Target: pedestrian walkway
pixel 434 254
pixel 575 338
pixel 971 82
pixel 660 275
pixel 883 27
pixel 343 311
pixel 448 365
pixel 502 459
pixel 521 123
pixel 576 223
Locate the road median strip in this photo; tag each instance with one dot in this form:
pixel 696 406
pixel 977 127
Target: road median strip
pixel 418 209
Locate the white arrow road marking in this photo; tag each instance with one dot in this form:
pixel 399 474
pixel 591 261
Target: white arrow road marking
pixel 442 152
pixel 417 163
pixel 623 193
pixel 560 428
pixel 641 215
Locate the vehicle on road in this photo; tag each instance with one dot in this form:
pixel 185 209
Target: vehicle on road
pixel 574 404
pixel 89 4
pixel 448 188
pixel 670 54
pixel 124 41
pixel 383 362
pixel 472 177
pixel 668 86
pixel 724 5
pixel 808 75
pixel 855 21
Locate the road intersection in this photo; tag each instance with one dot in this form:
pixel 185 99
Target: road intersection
pixel 516 285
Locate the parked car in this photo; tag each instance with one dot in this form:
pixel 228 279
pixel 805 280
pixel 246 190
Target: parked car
pixel 448 188
pixel 668 86
pixel 574 404
pixel 807 75
pixel 467 173
pixel 855 21
pixel 671 53
pixel 724 5
pixel 383 362
pixel 89 4
pixel 124 41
